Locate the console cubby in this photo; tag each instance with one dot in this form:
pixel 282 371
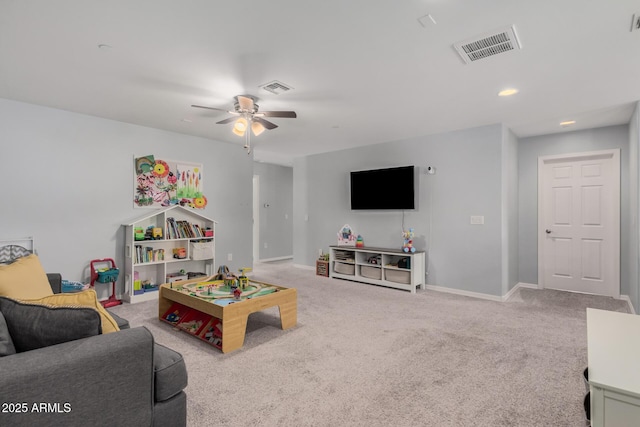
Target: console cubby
pixel 379 266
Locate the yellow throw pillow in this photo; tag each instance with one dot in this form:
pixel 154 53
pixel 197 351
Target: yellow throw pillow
pixel 87 298
pixel 25 278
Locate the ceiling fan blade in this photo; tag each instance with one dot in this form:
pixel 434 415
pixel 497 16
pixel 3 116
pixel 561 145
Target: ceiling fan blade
pixel 245 103
pixel 225 121
pixel 267 124
pixel 211 108
pixel 284 114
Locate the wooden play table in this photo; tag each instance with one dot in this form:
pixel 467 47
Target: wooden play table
pixel 234 314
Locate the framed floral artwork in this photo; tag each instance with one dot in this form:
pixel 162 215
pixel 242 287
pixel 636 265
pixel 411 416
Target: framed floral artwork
pixel 161 183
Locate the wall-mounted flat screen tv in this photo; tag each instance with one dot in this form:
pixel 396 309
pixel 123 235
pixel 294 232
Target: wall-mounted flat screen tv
pixel 392 188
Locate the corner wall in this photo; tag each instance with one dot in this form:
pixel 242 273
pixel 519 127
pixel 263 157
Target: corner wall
pixel 68 182
pixel 468 181
pixel 529 150
pixel 634 209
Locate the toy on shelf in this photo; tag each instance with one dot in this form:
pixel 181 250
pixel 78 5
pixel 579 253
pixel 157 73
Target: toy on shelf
pixel 408 241
pixel 359 242
pixel 138 233
pixel 179 253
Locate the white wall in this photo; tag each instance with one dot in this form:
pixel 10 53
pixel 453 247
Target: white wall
pixel 68 181
pixel 529 150
pixel 276 218
pixel 468 181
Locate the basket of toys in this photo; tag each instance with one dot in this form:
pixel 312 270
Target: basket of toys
pixel 108 275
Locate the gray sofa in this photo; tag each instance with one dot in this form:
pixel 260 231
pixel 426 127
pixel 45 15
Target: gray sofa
pixel 117 379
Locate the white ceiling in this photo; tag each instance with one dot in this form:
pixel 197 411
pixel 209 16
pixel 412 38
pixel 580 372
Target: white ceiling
pixel 363 71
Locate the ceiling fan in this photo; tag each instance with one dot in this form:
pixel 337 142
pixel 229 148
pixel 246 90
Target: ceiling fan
pixel 246 115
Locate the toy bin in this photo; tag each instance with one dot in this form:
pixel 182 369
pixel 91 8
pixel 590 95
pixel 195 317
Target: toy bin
pixel 398 276
pixel 371 272
pixel 201 250
pixel 343 268
pixel 108 276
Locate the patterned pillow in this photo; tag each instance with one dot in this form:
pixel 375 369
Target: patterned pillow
pixel 34 326
pixel 10 253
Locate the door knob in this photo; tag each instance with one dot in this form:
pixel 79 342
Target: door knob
pixel 547 231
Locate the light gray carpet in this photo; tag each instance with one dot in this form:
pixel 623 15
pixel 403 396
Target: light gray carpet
pixel 364 355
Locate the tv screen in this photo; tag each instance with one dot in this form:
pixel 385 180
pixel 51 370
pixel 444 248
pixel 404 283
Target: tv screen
pixel 391 188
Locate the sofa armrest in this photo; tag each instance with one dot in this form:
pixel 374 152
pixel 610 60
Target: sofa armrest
pixel 55 281
pixel 102 380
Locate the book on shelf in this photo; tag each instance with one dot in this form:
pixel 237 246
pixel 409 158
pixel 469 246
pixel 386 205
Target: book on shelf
pixel 182 229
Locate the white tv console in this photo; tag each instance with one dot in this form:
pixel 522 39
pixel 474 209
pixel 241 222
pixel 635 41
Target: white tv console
pixel 379 266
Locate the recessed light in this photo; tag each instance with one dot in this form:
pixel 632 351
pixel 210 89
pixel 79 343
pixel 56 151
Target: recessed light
pixel 187 120
pixel 508 92
pixel 567 123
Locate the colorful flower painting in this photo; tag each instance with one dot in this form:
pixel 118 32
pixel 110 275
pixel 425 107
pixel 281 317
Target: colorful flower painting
pixel 162 183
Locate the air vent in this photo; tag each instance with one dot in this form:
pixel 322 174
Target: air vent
pixel 276 87
pixel 490 44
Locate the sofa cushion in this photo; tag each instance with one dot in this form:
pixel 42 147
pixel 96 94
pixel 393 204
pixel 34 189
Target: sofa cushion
pixel 25 278
pixel 34 326
pixel 122 323
pixel 87 298
pixel 170 372
pixel 6 343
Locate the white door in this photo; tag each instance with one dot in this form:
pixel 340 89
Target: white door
pixel 579 222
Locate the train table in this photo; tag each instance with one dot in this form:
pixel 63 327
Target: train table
pixel 210 311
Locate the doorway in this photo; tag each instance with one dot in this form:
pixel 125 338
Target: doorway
pixel 579 222
pixel 256 218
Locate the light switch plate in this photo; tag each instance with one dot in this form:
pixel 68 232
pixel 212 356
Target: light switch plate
pixel 477 220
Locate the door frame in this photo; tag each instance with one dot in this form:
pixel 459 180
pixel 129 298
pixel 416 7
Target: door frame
pixel 614 154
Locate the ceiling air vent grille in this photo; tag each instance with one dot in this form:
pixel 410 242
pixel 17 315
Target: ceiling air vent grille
pixel 489 44
pixel 276 87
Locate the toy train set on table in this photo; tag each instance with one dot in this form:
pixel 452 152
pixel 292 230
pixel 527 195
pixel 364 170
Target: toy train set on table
pixel 225 288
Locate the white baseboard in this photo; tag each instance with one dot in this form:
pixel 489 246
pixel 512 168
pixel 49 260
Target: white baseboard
pixel 305 267
pixel 279 258
pixel 481 295
pixel 628 300
pixel 518 286
pixel 464 293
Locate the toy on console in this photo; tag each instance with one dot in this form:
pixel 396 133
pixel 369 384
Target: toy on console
pixel 359 242
pixel 346 236
pixel 408 241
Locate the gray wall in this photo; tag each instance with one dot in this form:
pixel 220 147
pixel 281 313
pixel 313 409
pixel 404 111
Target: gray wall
pixel 509 211
pixel 634 208
pixel 276 219
pixel 568 142
pixel 68 181
pixel 468 181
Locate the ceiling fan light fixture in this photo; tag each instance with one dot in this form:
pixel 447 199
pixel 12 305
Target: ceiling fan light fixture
pixel 257 128
pixel 240 126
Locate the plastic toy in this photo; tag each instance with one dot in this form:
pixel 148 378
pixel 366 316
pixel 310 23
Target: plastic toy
pixel 179 253
pixel 359 242
pixel 138 233
pixel 346 236
pixel 243 280
pixel 408 241
pixel 156 233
